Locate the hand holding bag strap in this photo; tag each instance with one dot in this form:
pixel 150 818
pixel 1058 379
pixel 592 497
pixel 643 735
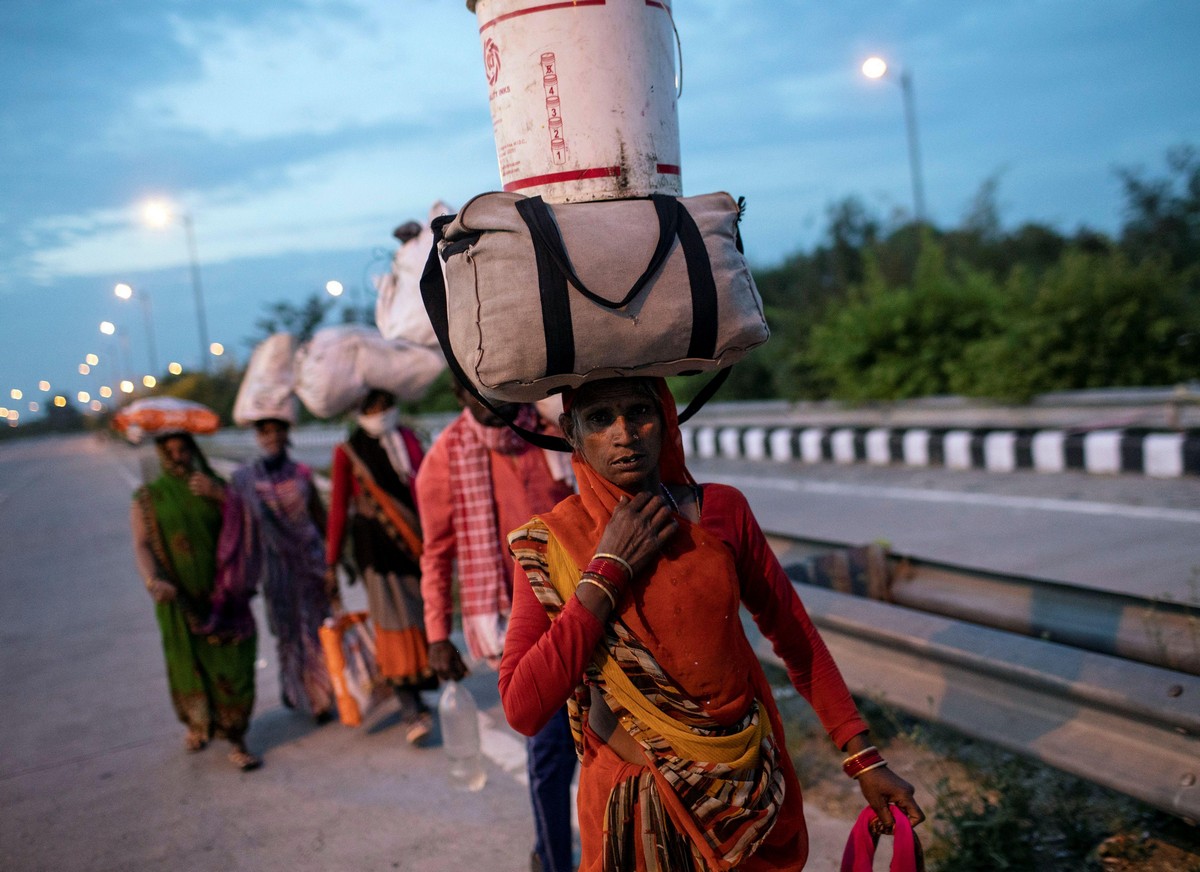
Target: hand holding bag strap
pixel 859 855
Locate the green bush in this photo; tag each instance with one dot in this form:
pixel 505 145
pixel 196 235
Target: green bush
pixel 1091 321
pixel 893 343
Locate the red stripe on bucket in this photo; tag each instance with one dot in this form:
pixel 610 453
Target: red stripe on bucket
pixel 569 176
pixel 668 169
pixel 548 7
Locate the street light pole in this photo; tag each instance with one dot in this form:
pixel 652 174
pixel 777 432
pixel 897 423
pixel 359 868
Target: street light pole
pixel 197 291
pixel 914 154
pixel 158 213
pixel 121 344
pixel 877 68
pixel 125 292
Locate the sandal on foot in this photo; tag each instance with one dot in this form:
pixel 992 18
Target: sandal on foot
pixel 244 760
pixel 418 728
pixel 194 742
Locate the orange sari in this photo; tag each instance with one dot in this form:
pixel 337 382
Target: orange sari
pixel 684 619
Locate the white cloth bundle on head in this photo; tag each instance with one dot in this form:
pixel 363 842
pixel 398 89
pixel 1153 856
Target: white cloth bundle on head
pixel 337 368
pixel 399 311
pixel 267 389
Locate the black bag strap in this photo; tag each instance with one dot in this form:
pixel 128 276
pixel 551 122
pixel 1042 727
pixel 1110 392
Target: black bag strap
pixel 546 237
pixel 558 333
pixel 703 343
pixel 705 394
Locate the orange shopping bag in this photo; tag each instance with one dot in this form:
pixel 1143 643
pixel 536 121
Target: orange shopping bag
pixel 349 646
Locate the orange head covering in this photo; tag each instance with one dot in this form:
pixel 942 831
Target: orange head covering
pixel 599 495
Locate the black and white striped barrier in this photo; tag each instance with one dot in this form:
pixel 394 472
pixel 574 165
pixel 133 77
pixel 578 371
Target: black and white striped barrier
pixel 1160 454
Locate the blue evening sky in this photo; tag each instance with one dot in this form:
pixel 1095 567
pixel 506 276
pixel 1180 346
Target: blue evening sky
pixel 298 133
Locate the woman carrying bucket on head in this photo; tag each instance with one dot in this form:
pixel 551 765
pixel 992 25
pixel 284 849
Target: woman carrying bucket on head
pixel 625 606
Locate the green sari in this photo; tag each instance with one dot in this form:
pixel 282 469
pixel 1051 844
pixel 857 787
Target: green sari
pixel 211 679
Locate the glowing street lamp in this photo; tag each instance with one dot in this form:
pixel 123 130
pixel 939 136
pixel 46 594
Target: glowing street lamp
pixel 877 68
pixel 149 381
pixel 334 288
pixel 105 391
pixel 160 213
pixel 217 349
pixel 124 291
pixel 874 68
pixel 15 393
pixel 92 359
pixel 108 328
pixel 126 386
pixel 43 385
pixel 174 367
pixel 84 369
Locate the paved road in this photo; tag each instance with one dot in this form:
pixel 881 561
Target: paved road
pixel 92 771
pixel 93 775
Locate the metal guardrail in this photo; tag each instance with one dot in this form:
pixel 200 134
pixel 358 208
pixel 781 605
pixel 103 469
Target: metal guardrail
pixel 1125 725
pixel 1157 632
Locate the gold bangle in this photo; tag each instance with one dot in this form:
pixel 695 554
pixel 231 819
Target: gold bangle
pixel 616 559
pixel 604 590
pixel 869 768
pixel 866 750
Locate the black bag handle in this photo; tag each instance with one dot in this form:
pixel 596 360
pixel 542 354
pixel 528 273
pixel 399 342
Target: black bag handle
pixel 554 269
pixel 546 236
pixel 433 295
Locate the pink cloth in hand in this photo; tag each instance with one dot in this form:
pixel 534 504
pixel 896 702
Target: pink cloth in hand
pixel 859 855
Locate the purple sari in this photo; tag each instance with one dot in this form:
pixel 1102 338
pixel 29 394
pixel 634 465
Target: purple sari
pixel 271 540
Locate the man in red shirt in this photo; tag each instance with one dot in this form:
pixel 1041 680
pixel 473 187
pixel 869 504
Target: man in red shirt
pixel 479 481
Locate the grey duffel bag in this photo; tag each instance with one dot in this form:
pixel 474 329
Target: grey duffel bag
pixel 529 299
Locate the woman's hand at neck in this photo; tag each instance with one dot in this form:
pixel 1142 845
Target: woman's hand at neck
pixel 640 526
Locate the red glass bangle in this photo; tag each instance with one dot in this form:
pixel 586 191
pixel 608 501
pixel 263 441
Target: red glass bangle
pixel 864 761
pixel 609 571
pixel 616 558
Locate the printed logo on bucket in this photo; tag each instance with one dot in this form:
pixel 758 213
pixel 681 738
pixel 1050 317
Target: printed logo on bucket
pixel 491 61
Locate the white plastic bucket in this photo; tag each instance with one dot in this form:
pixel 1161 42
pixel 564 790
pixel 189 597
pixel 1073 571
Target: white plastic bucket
pixel 583 97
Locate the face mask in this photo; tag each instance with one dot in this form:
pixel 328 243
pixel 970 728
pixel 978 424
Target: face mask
pixel 378 423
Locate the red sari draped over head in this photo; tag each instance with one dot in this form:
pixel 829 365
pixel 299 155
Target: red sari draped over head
pixel 676 668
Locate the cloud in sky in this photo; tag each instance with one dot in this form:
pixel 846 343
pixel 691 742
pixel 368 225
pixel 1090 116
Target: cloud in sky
pixel 292 128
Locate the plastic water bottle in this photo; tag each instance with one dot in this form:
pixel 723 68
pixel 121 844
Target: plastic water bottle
pixel 460 737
